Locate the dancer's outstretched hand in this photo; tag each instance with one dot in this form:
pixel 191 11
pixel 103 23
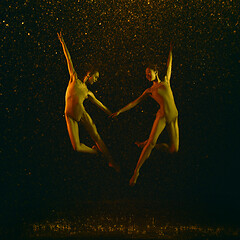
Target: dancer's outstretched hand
pixel 115 114
pixel 60 37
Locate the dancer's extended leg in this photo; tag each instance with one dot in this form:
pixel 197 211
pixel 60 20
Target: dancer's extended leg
pixel 173 132
pixel 73 132
pixel 92 130
pixel 158 126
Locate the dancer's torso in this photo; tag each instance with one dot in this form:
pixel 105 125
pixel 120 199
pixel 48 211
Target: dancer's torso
pixel 162 94
pixel 76 93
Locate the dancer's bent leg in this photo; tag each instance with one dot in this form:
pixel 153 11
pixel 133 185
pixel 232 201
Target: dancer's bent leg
pixel 158 126
pixel 173 132
pixel 73 132
pixel 91 128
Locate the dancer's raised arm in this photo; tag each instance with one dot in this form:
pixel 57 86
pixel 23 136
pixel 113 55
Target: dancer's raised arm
pixel 167 116
pixel 169 65
pixel 67 55
pixel 132 104
pixel 94 100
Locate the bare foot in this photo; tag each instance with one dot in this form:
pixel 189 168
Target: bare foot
pixel 94 147
pixel 115 166
pixel 141 144
pixel 134 178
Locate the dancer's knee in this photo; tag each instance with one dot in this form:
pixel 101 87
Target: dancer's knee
pixel 173 149
pixel 77 148
pixel 151 144
pixel 96 137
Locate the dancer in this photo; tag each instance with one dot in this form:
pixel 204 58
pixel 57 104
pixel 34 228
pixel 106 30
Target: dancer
pixel 167 115
pixel 75 112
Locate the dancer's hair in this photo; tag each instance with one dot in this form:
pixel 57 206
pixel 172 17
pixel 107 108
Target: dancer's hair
pixel 153 66
pixel 89 69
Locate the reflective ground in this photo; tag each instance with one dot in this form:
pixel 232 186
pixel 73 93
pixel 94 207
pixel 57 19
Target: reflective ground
pixel 126 228
pixel 126 219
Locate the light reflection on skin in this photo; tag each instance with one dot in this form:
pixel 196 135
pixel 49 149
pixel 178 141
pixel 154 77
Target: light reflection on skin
pixel 92 78
pixel 151 75
pixel 75 112
pixel 167 116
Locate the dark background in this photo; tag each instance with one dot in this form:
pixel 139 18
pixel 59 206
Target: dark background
pixel 41 176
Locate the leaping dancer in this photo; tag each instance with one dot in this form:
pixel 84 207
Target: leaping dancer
pixel 76 114
pixel 167 115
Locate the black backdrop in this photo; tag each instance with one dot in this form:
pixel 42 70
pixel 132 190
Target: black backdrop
pixel 40 173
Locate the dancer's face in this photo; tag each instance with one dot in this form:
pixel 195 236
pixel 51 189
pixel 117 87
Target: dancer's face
pixel 94 78
pixel 150 74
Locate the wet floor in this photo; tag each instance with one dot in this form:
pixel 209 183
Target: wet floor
pixel 126 228
pixel 127 219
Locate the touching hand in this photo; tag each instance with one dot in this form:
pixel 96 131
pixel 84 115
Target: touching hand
pixel 115 114
pixel 109 113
